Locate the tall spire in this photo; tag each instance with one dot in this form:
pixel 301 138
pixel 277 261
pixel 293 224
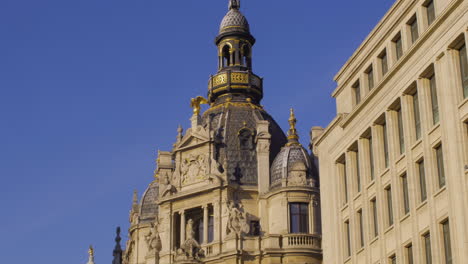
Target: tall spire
pixel 293 138
pixel 234 4
pixel 117 249
pixel 91 255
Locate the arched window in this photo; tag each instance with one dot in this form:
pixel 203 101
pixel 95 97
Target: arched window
pixel 246 56
pixel 226 56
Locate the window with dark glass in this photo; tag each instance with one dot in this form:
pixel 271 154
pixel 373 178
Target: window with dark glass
pixel 409 254
pixel 416 116
pixel 393 259
pixel 299 217
pixel 413 24
pixel 398 46
pixel 447 243
pixel 404 187
pixel 357 92
pixel 341 163
pixel 440 166
pixel 254 228
pixel 371 158
pixel 401 134
pixel 434 100
pixel 361 228
pixel 385 144
pixel 427 248
pixel 430 12
pixel 210 225
pixel 348 238
pixel 388 194
pixel 422 180
pixel 384 62
pixel 375 223
pixel 463 59
pixel 370 78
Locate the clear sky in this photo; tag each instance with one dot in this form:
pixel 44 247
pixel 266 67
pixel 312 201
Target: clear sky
pixel 91 89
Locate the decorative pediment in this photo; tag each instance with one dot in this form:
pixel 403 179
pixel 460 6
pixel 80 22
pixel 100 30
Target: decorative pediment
pixel 193 138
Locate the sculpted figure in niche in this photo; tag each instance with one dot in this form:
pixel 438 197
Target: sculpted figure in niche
pixel 237 220
pixel 153 240
pixel 297 175
pixel 193 169
pixel 168 188
pixel 190 249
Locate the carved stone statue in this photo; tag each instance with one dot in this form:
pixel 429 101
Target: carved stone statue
pixel 237 221
pixel 190 249
pixel 153 240
pixel 167 187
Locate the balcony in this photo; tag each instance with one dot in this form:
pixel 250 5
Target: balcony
pixel 301 241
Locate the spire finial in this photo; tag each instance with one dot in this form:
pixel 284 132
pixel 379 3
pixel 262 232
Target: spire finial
pixel 91 255
pixel 135 196
pixel 234 4
pixel 293 138
pixel 117 249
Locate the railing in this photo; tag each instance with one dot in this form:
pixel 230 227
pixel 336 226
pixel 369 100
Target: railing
pixel 301 241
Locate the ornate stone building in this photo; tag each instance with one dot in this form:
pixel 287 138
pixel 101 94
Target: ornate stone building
pixel 234 188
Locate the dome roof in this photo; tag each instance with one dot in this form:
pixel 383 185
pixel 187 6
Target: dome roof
pixel 291 157
pixel 234 21
pixel 149 206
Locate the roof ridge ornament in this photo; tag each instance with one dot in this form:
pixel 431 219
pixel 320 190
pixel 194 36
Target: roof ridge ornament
pixel 234 4
pixel 293 138
pixel 91 255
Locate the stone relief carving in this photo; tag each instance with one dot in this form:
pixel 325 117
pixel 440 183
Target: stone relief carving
pixel 190 249
pixel 167 187
pixel 297 175
pixel 237 224
pixel 193 169
pixel 153 240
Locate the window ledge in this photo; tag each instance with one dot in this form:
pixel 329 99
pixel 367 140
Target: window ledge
pixel 406 216
pixel 422 204
pixel 440 191
pixel 360 250
pixel 402 156
pixel 347 259
pixel 416 144
pixel 390 228
pixel 357 196
pixel 344 207
pixel 434 128
pixel 374 239
pixel 385 172
pixel 463 103
pixel 373 182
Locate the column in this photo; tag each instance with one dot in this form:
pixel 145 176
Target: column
pixel 205 224
pixel 182 227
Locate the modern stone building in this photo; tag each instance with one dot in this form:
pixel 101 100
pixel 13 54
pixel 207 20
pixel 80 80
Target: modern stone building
pixel 234 188
pixel 394 179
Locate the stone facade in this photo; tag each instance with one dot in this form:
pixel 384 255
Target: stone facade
pixel 212 199
pixel 396 184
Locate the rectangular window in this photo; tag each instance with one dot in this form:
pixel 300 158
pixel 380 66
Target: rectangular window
pixel 357 93
pixel 422 181
pixel 348 239
pixel 299 217
pixel 375 223
pixel 430 12
pixel 462 57
pixel 413 24
pixel 385 144
pixel 384 62
pixel 427 248
pixel 210 224
pixel 440 166
pixel 434 100
pixel 361 228
pixel 404 186
pixel 409 254
pixel 447 243
pixel 416 116
pixel 392 259
pixel 388 194
pixel 398 47
pixel 358 172
pixel 342 168
pixel 371 159
pixel 370 78
pixel 401 134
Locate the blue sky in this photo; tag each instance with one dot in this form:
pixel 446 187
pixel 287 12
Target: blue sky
pixel 91 89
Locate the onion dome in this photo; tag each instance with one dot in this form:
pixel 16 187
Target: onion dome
pixel 234 20
pixel 149 206
pixel 292 161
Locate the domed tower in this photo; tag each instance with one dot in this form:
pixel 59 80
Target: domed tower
pixel 229 189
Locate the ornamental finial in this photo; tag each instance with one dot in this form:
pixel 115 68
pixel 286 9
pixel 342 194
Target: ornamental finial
pixel 234 4
pixel 117 249
pixel 293 138
pixel 91 255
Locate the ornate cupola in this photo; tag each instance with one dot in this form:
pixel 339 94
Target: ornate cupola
pixel 235 77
